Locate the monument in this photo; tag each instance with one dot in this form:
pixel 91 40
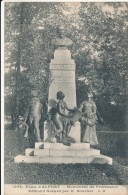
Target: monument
pixel 62 78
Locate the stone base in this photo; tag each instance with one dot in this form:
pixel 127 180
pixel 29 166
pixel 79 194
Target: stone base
pixel 46 145
pixel 57 153
pixel 69 153
pixel 100 159
pixel 75 132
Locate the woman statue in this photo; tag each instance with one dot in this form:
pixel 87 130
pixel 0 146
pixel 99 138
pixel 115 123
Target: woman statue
pixel 88 121
pixel 61 120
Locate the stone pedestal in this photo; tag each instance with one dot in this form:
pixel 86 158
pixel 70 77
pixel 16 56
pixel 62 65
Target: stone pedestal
pixel 62 78
pixel 57 153
pixel 62 69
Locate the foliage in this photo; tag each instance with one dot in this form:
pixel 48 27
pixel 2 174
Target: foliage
pixel 99 33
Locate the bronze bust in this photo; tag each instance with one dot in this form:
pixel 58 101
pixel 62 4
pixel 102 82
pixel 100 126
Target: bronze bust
pixel 62 41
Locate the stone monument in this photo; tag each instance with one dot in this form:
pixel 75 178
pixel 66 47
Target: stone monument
pixel 62 78
pixel 62 70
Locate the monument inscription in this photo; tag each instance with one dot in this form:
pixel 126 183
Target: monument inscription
pixel 62 67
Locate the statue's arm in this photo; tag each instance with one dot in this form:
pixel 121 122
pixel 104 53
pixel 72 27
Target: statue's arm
pixel 99 116
pixel 83 110
pixel 69 109
pixel 81 107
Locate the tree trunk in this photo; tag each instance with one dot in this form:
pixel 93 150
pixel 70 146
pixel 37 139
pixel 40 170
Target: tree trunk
pixel 17 69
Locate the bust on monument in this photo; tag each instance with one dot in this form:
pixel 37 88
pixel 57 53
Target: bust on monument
pixel 62 41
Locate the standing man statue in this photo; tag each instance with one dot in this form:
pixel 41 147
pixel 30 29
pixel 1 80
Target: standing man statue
pixel 35 115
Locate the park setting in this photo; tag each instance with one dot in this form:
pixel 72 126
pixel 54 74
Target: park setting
pixel 65 93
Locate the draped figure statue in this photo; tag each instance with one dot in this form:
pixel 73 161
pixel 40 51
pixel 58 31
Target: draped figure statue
pixel 89 120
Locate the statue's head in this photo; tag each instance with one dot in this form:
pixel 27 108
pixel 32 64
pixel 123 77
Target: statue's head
pixel 89 95
pixel 61 31
pixel 62 40
pixel 34 93
pixel 60 95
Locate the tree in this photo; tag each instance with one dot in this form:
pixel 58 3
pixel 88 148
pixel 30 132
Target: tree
pixel 99 47
pixel 14 38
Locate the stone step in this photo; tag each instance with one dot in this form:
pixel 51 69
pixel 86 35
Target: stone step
pixel 62 146
pixel 39 145
pixel 96 159
pixel 42 145
pixel 69 153
pixel 29 152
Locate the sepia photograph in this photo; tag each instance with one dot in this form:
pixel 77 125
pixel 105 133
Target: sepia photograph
pixel 65 97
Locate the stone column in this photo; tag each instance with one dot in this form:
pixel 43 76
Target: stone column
pixel 62 70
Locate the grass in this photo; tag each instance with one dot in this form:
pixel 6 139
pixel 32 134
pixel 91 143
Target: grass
pixel 82 174
pixel 72 174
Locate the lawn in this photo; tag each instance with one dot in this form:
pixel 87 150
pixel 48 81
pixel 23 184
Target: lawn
pixel 82 174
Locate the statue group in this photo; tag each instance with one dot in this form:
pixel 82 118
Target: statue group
pixel 61 121
pixel 87 115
